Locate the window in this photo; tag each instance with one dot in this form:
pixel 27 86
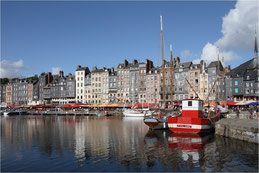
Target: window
pixel 236 83
pixel 189 103
pixel 236 90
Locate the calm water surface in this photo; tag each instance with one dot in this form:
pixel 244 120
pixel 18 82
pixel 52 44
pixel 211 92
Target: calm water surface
pixel 49 144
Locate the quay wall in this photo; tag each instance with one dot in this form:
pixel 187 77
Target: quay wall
pixel 242 129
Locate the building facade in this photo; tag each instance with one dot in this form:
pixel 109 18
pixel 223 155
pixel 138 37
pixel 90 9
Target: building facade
pixel 80 74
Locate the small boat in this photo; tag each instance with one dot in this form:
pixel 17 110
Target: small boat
pixel 193 119
pixel 156 122
pixel 13 113
pixel 137 112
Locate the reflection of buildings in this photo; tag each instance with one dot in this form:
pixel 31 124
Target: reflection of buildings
pixel 126 145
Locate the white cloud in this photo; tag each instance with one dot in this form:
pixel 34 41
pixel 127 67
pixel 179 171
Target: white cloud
pixel 11 69
pixel 196 61
pixel 55 70
pixel 238 30
pixel 186 54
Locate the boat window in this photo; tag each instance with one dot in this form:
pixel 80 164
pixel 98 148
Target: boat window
pixel 189 103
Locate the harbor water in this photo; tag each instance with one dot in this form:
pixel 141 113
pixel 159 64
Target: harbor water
pixel 82 144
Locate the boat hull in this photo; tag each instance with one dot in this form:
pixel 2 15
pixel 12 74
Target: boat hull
pixel 192 125
pixel 135 114
pixel 156 123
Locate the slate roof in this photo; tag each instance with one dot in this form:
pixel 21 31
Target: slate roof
pixel 245 69
pixel 83 68
pixel 215 64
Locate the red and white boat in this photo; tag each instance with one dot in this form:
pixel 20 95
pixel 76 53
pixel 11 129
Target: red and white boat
pixel 193 118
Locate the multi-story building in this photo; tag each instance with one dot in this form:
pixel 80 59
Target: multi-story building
pixel 134 82
pixel 112 86
pixel 204 81
pixel 153 85
pixel 80 74
pixel 100 85
pixel 44 79
pixel 123 82
pixel 3 94
pixel 215 70
pixel 144 68
pixel 9 94
pixel 244 81
pixel 20 92
pixel 30 93
pixel 88 89
pixel 62 89
pixel 194 80
pixel 181 73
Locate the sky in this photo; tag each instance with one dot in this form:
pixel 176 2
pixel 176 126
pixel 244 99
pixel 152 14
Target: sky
pixel 49 36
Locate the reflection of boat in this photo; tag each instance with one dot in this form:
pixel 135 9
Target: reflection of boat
pixel 153 137
pixel 189 144
pixel 137 112
pixel 193 119
pixel 185 141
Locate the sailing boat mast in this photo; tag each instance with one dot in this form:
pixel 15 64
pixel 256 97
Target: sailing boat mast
pixel 203 88
pixel 171 71
pixel 163 66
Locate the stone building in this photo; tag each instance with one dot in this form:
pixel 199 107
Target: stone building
pixel 20 92
pixel 194 80
pixel 44 80
pixel 123 82
pixel 3 94
pixel 204 81
pixel 153 85
pixel 100 85
pixel 144 68
pixel 9 94
pixel 80 74
pixel 112 86
pixel 181 73
pixel 134 82
pixel 215 70
pixel 88 89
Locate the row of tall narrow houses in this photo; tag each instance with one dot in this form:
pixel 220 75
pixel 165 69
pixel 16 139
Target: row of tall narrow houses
pixel 139 82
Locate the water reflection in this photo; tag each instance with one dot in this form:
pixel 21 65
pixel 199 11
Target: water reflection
pixel 29 143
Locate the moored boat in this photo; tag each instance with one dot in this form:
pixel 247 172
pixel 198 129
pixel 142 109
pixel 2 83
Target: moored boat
pixel 136 113
pixel 193 119
pixel 13 113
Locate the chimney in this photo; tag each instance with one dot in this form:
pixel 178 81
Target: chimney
pixel 135 61
pixel 228 68
pixel 61 73
pixel 177 61
pixel 79 66
pixel 126 63
pixel 94 68
pixel 150 65
pixel 112 69
pixel 49 78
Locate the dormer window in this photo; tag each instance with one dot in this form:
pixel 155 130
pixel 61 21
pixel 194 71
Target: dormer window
pixel 248 77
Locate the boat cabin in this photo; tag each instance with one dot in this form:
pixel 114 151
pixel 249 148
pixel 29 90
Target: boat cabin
pixel 192 108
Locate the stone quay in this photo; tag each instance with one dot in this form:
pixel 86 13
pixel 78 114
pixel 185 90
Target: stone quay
pixel 242 129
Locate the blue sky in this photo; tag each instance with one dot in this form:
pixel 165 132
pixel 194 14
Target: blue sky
pixel 46 35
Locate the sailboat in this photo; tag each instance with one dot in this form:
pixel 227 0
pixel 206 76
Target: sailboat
pixel 159 121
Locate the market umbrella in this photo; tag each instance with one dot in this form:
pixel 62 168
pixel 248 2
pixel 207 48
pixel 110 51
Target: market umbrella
pixel 253 103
